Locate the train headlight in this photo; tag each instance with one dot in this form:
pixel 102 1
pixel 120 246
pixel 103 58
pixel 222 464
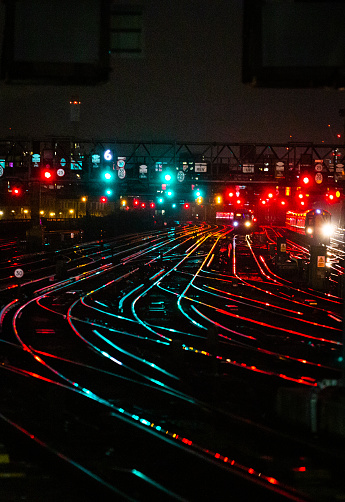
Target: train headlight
pixel 327 230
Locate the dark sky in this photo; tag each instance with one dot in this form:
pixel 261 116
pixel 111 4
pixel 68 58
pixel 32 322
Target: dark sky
pixel 186 87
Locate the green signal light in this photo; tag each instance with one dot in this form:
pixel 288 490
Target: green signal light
pixel 160 200
pixel 109 192
pixel 169 194
pixel 107 176
pixel 167 177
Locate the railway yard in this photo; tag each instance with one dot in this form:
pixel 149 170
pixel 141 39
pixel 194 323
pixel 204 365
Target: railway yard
pixel 191 363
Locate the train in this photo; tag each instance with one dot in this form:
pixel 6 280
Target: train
pixel 316 224
pixel 244 221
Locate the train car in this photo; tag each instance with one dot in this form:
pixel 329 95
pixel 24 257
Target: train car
pixel 244 221
pixel 316 224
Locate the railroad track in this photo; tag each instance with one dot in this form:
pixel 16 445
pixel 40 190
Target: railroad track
pixel 158 360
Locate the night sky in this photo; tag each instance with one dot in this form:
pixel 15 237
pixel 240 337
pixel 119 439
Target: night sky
pixel 186 87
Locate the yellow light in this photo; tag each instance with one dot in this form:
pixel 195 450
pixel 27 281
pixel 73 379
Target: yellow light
pixel 123 203
pixel 71 211
pixel 41 212
pixel 337 193
pixel 25 211
pixel 84 199
pixel 51 214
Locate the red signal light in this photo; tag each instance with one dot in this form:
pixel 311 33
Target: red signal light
pixel 103 199
pixel 186 206
pixel 143 204
pixel 16 191
pixel 136 202
pixel 152 204
pixel 47 175
pixel 231 194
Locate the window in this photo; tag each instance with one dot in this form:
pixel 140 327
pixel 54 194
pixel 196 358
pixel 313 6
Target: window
pixel 126 34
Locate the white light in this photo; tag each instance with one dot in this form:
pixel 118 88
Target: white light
pixel 309 230
pixel 327 229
